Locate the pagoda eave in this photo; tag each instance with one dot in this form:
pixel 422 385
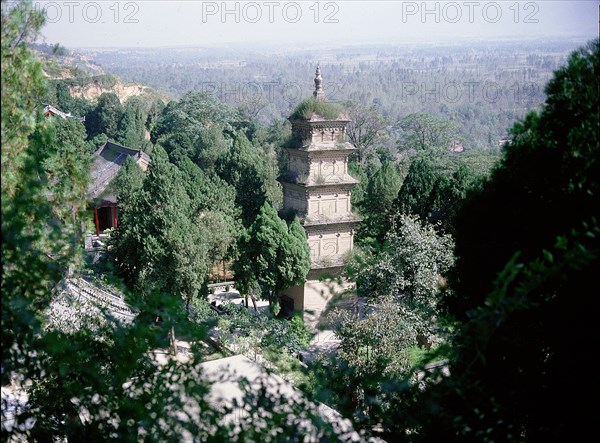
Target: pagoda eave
pixel 315 147
pixel 348 183
pixel 330 224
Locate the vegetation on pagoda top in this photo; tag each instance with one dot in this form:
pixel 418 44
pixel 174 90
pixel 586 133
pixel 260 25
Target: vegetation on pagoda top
pixel 309 108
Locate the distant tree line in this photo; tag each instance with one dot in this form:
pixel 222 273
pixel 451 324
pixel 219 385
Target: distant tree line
pixel 482 89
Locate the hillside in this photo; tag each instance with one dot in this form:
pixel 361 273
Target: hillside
pixel 88 80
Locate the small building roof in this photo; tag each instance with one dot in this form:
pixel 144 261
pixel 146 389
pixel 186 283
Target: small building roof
pixel 51 110
pixel 108 160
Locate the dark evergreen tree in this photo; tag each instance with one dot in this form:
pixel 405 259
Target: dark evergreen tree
pixel 131 130
pixel 127 183
pixel 246 170
pixel 377 205
pixel 413 197
pixel 272 255
pixel 544 186
pixel 448 195
pixel 159 245
pixel 528 252
pixel 105 117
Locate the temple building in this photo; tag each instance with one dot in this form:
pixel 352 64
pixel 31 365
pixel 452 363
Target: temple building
pixel 108 160
pixel 317 187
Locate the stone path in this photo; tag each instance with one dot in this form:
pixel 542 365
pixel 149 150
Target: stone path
pixel 323 343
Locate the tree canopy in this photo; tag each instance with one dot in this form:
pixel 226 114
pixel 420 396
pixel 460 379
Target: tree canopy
pixel 105 117
pixel 377 204
pixel 159 245
pixel 528 249
pixel 421 132
pixel 435 192
pixel 520 303
pixel 272 255
pixel 545 185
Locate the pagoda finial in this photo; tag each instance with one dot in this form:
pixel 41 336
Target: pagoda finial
pixel 319 94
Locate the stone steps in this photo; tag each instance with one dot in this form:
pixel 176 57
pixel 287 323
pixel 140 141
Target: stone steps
pixel 114 303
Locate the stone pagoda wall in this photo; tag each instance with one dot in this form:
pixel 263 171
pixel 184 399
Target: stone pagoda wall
pixel 330 203
pixel 328 246
pixel 328 169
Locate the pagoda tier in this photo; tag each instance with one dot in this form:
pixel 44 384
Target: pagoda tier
pixel 318 168
pixel 318 134
pixel 320 204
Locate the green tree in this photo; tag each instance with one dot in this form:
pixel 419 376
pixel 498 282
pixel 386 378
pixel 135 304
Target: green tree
pixel 127 183
pixel 295 260
pixel 403 284
pixel 28 274
pixel 66 165
pixel 158 245
pixel 213 136
pixel 543 187
pixel 214 209
pixel 210 146
pixel 435 190
pixel 245 168
pixel 372 349
pixel 63 97
pixel 186 116
pixel 71 132
pixel 448 195
pixel 409 269
pixel 131 129
pixel 413 197
pixel 427 132
pixel 359 190
pixel 44 167
pixel 527 315
pixel 272 255
pixel 105 117
pixel 378 203
pixel 20 72
pixel 154 112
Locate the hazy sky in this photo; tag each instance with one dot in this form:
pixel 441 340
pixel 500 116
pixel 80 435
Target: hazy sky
pixel 75 23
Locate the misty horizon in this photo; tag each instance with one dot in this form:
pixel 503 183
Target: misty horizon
pixel 193 24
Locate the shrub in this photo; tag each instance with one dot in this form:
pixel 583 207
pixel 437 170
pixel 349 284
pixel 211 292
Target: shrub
pixel 311 106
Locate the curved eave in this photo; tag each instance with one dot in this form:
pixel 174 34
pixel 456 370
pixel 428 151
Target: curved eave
pixel 312 186
pixel 315 147
pixel 330 222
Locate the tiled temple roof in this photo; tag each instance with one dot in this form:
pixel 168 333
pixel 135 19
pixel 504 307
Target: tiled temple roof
pixel 108 160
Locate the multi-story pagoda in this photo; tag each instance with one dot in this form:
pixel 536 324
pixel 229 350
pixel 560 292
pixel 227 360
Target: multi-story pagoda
pixel 317 186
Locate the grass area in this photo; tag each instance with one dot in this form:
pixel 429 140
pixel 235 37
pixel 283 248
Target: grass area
pixel 289 368
pixel 311 106
pixel 420 356
pixel 417 355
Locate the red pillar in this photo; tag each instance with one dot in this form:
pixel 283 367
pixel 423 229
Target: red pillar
pixel 114 211
pixel 96 220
